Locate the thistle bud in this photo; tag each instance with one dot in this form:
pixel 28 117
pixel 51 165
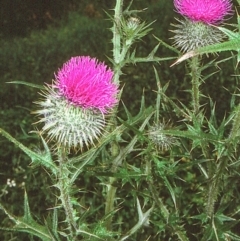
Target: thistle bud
pixel 133 23
pixel 162 141
pixel 191 35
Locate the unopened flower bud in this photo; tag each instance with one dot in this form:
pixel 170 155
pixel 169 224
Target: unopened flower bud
pixel 161 140
pixel 133 23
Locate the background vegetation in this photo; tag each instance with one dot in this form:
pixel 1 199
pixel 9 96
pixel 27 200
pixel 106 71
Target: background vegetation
pixel 36 38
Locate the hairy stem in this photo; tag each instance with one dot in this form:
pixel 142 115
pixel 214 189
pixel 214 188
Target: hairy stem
pixel 216 173
pixel 63 185
pixel 117 40
pixel 214 186
pixel 196 73
pixel 118 56
pixel 109 206
pixel 120 48
pixel 111 188
pixel 236 125
pixel 116 29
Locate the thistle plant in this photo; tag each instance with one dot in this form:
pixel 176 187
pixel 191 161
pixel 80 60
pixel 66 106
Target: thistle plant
pixel 167 173
pixel 195 32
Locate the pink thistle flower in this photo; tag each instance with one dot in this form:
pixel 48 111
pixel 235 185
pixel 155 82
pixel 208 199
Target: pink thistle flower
pixel 206 11
pixel 87 83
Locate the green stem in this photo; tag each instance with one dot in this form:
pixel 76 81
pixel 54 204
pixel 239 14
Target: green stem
pixel 120 48
pixel 154 192
pixel 214 185
pixel 63 185
pixel 119 53
pixel 236 125
pixel 111 188
pixel 216 173
pixel 116 33
pixel 109 206
pixel 195 72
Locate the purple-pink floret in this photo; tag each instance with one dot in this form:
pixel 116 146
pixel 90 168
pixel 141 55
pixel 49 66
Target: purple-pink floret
pixel 87 83
pixel 206 11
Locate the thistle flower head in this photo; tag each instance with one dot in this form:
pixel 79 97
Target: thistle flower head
pixel 206 11
pixel 74 107
pixel 161 140
pixel 86 83
pixel 191 35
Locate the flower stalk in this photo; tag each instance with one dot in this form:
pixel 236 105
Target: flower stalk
pixel 196 73
pixel 109 206
pixel 213 188
pixel 119 53
pixel 116 33
pixel 216 175
pixel 63 185
pixel 236 125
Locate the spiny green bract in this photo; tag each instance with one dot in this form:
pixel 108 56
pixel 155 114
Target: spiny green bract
pixel 160 139
pixel 192 35
pixel 69 125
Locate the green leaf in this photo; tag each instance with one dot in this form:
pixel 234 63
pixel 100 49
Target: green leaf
pixel 26 223
pixel 232 236
pixel 130 147
pixel 131 58
pixel 52 225
pixel 35 157
pixel 162 169
pixel 222 218
pixel 181 235
pixel 128 113
pixel 166 45
pixel 158 99
pixel 27 214
pixel 171 190
pixel 191 134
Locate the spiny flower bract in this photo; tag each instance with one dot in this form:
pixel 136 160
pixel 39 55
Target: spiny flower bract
pixel 206 11
pixel 87 83
pixel 71 126
pixel 191 35
pixel 161 140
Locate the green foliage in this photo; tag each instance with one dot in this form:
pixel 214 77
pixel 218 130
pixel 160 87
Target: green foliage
pixel 129 185
pixel 27 224
pixel 44 159
pixel 232 44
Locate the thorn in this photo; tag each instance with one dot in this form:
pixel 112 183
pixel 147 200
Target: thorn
pixel 184 57
pixel 143 217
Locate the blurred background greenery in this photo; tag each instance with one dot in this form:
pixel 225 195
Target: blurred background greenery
pixel 37 37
